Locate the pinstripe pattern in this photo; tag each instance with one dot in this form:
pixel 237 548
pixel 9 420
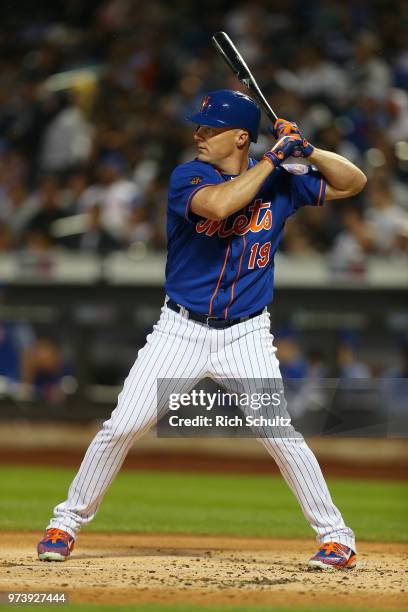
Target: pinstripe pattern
pixel 136 412
pixel 182 349
pixel 247 352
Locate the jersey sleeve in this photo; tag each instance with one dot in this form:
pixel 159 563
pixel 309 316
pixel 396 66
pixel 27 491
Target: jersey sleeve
pixel 307 186
pixel 185 182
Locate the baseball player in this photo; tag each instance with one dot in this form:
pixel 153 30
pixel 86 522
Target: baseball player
pixel 226 215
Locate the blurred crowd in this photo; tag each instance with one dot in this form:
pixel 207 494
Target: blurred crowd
pixel 39 365
pixel 33 366
pixel 93 96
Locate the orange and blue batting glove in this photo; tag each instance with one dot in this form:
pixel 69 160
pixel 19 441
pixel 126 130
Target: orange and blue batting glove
pixel 286 146
pixel 281 127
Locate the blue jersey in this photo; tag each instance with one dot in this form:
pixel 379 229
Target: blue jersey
pixel 226 268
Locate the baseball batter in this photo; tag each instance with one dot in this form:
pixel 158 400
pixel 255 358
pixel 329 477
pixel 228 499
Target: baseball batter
pixel 226 215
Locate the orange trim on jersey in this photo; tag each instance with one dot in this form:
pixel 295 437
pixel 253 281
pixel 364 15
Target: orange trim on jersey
pixel 219 278
pixel 190 197
pixel 320 193
pixel 236 278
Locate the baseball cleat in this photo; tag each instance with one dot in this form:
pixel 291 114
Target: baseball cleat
pixel 56 545
pixel 332 555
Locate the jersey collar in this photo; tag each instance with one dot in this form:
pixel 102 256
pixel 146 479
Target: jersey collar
pixel 228 177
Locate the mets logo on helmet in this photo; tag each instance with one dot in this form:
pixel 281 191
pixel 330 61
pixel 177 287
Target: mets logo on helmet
pixel 204 103
pixel 196 179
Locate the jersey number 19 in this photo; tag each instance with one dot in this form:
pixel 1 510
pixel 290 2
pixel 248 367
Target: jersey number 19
pixel 259 256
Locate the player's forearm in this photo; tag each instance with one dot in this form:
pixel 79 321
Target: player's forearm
pixel 219 201
pixel 343 176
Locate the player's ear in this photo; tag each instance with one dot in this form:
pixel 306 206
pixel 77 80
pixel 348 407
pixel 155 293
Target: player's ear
pixel 242 138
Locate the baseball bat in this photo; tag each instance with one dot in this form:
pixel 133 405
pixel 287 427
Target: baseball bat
pixel 235 61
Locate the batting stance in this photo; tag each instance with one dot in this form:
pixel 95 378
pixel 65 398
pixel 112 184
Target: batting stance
pixel 226 215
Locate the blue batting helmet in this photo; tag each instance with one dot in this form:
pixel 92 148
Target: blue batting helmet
pixel 229 109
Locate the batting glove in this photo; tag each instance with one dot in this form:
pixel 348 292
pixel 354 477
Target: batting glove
pixel 286 146
pixel 282 127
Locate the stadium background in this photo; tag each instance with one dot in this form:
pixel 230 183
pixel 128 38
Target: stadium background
pixel 92 100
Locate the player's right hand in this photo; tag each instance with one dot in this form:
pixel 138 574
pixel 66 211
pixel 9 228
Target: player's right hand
pixel 282 127
pixel 286 146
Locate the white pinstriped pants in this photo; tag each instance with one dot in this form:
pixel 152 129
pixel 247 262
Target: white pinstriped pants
pixel 179 348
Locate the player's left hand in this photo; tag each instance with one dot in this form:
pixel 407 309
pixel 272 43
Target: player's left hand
pixel 282 127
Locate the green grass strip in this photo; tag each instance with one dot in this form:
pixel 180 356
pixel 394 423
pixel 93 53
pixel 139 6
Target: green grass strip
pixel 154 502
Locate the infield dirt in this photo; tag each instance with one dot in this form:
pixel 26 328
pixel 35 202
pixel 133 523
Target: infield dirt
pixel 130 568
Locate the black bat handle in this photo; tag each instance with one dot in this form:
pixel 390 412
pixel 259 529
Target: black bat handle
pixel 268 110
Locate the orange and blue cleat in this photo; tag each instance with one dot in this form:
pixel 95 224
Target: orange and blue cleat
pixel 332 555
pixel 56 545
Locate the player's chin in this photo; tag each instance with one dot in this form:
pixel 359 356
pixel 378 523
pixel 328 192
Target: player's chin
pixel 203 156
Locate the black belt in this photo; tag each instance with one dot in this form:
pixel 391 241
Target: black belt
pixel 216 322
